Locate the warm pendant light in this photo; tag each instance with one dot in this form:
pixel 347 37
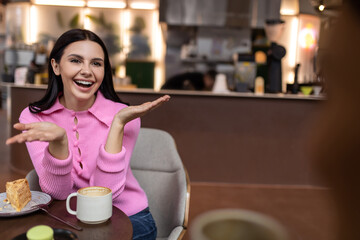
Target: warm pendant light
pixel 289 7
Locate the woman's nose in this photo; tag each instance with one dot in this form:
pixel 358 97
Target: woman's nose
pixel 85 70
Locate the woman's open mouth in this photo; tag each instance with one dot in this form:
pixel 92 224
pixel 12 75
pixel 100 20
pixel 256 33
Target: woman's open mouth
pixel 84 84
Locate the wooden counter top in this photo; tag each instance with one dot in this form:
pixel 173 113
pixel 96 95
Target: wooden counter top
pixel 194 93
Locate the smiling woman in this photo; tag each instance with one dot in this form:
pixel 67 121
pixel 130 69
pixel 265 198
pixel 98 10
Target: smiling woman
pixel 82 72
pixel 68 46
pixel 59 129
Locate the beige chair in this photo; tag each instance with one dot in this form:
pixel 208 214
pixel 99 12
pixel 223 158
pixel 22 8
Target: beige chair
pixel 157 166
pixel 33 180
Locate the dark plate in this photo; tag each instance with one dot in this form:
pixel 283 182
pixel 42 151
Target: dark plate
pixel 59 234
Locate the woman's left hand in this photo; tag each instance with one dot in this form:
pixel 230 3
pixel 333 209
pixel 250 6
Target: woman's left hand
pixel 127 114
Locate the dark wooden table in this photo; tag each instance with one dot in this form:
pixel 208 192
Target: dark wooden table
pixel 117 227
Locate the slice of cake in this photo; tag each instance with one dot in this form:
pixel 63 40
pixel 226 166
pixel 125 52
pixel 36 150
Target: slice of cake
pixel 18 193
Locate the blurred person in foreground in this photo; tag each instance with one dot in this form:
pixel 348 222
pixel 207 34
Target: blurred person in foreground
pixel 337 148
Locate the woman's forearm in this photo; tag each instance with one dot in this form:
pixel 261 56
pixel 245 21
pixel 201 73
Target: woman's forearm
pixel 114 140
pixel 59 149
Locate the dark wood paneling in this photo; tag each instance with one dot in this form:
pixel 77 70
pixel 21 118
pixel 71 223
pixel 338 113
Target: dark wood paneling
pixel 242 140
pixel 20 98
pixel 224 138
pixel 6 175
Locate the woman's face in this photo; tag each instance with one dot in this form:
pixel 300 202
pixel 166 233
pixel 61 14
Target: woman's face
pixel 82 71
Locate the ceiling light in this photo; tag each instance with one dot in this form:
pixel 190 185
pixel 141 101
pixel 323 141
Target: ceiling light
pixel 70 3
pixel 143 5
pixel 289 7
pixel 106 4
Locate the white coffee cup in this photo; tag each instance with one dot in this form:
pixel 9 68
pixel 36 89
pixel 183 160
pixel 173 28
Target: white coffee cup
pixel 93 205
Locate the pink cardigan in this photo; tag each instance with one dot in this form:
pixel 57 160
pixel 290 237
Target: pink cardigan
pixel 88 164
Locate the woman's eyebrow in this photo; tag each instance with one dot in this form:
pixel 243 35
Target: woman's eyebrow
pixel 98 59
pixel 75 55
pixel 81 57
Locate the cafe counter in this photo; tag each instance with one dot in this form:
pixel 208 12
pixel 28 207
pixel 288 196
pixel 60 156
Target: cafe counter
pixel 230 137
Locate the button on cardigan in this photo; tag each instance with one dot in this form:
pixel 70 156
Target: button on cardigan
pixel 88 164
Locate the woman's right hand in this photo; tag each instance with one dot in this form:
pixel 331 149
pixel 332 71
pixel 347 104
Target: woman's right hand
pixel 45 132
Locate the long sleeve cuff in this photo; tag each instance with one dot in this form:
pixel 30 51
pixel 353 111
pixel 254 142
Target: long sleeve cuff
pixel 111 163
pixel 57 166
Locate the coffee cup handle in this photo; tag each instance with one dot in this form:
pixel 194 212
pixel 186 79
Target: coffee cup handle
pixel 68 208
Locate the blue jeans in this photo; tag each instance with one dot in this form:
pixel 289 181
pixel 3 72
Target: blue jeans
pixel 144 227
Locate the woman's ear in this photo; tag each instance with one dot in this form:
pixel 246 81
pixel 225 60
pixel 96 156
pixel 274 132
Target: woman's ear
pixel 55 67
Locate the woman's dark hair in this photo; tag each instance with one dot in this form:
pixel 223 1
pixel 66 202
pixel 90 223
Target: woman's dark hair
pixel 55 85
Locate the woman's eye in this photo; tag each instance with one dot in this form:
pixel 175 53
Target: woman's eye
pixel 74 60
pixel 98 64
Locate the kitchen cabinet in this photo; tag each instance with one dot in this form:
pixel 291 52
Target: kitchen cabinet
pixel 205 12
pixel 263 10
pixel 193 12
pixel 171 12
pixel 215 13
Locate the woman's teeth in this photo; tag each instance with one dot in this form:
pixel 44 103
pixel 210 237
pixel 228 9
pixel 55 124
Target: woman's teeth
pixel 84 83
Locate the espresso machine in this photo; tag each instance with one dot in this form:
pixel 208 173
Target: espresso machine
pixel 273 30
